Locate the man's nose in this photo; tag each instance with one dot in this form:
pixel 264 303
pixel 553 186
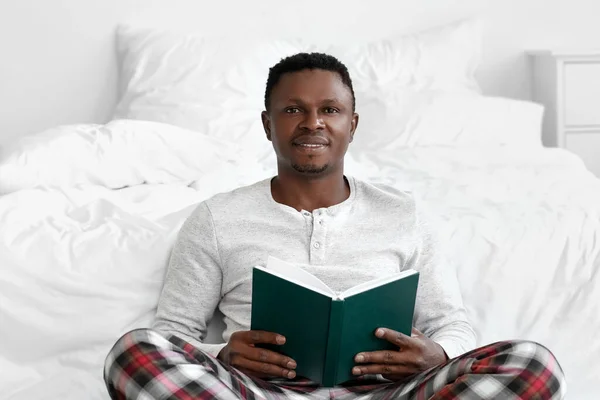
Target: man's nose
pixel 312 121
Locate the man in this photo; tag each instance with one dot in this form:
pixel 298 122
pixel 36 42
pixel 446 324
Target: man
pixel 344 231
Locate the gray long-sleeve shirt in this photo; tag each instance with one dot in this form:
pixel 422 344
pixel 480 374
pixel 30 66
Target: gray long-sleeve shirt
pixel 377 231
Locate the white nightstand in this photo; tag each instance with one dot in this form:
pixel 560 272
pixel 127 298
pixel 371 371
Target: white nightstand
pixel 568 85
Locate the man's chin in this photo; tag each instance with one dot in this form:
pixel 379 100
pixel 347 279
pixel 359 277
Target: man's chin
pixel 310 169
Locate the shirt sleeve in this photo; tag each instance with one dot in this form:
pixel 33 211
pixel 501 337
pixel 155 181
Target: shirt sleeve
pixel 439 312
pixel 192 287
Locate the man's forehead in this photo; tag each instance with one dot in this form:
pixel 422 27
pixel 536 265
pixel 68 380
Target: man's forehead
pixel 311 75
pixel 324 100
pixel 317 82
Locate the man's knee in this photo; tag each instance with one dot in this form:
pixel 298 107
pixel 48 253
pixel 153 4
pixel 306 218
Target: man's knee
pixel 130 344
pixel 536 368
pixel 142 361
pixel 134 345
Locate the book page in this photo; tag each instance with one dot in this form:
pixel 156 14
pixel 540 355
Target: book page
pixel 297 275
pixel 363 287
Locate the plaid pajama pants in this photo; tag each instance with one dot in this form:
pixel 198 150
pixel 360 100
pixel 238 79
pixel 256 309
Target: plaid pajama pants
pixel 146 365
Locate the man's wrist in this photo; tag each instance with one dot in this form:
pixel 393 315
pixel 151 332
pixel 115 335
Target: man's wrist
pixel 221 354
pixel 442 353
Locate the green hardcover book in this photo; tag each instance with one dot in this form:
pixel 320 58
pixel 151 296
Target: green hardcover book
pixel 324 329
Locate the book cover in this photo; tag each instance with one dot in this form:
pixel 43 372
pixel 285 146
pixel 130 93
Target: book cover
pixel 324 329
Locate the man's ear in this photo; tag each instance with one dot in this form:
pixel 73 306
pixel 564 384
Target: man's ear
pixel 353 126
pixel 266 121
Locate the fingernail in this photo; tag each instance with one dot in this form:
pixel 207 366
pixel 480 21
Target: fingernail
pixel 379 333
pixel 356 371
pixel 360 358
pixel 291 364
pixel 291 375
pixel 280 340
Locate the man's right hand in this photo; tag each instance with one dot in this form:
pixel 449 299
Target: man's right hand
pixel 242 354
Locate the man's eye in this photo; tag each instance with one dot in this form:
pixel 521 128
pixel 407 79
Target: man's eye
pixel 292 110
pixel 331 110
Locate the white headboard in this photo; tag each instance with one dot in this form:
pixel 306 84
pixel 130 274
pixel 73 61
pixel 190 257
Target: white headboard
pixel 58 63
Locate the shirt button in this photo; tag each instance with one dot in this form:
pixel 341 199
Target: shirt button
pixel 320 222
pixel 305 213
pixel 316 245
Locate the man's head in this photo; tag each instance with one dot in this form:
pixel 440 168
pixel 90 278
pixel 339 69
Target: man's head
pixel 309 117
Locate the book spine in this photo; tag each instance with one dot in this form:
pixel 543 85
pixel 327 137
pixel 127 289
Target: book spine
pixel 334 338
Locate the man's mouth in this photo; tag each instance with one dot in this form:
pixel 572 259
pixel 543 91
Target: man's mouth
pixel 310 148
pixel 310 142
pixel 311 145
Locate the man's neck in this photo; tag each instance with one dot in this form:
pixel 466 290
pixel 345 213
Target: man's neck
pixel 304 193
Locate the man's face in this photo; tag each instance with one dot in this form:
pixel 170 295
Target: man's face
pixel 310 121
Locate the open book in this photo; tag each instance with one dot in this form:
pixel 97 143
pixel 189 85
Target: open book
pixel 325 329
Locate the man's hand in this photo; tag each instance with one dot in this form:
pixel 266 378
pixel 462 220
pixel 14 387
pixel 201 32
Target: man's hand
pixel 242 354
pixel 415 354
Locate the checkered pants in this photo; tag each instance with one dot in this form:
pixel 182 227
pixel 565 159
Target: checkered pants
pixel 145 365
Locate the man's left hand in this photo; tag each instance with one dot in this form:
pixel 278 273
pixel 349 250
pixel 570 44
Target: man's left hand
pixel 415 354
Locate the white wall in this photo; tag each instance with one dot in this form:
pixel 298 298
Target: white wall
pixel 57 61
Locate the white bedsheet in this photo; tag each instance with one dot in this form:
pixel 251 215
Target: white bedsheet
pixel 80 266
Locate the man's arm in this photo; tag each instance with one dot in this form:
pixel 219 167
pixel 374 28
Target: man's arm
pixel 442 330
pixel 192 288
pixel 191 294
pixel 440 312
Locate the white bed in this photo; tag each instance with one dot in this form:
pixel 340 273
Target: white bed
pixel 89 214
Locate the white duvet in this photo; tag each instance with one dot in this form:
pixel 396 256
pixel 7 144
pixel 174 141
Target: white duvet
pixel 82 264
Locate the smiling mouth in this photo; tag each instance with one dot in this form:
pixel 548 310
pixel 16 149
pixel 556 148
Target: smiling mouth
pixel 311 145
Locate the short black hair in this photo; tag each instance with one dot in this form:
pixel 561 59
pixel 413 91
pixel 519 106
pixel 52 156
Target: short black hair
pixel 303 61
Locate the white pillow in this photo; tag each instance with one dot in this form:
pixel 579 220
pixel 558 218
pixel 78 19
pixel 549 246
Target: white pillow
pixel 216 86
pixel 118 154
pixel 468 120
